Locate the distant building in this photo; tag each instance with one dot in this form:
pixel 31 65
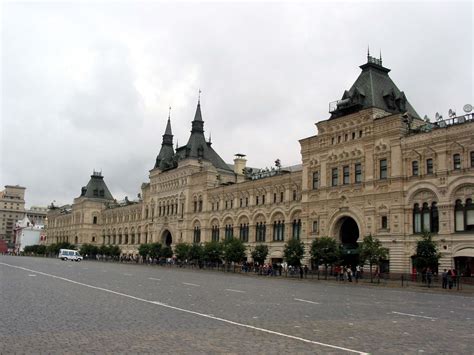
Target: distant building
pixel 374 167
pixel 37 215
pixel 12 209
pixel 27 233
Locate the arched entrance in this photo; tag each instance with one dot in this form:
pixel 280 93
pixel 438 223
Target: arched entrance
pixel 167 238
pixel 348 235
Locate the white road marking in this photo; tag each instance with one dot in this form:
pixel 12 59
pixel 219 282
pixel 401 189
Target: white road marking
pixel 299 299
pixel 193 312
pixel 152 278
pixel 189 284
pixel 127 274
pixel 31 275
pixel 412 315
pixel 231 290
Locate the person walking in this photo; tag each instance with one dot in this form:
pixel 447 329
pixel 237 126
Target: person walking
pixel 444 276
pixel 301 272
pixel 429 276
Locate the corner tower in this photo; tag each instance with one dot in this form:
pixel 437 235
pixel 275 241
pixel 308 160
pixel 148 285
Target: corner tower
pixel 165 159
pixel 372 89
pixel 197 147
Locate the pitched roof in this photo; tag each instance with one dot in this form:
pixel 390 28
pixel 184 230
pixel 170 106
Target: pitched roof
pixel 96 188
pixel 197 147
pixel 373 88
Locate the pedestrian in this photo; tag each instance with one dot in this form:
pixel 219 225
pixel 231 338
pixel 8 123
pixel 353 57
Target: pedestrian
pixel 450 279
pixel 349 274
pixel 357 273
pixel 306 271
pixel 301 272
pixel 444 276
pixel 429 276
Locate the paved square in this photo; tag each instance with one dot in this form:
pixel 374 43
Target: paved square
pixel 52 306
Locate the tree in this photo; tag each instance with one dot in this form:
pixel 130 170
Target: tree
pixel 181 251
pixel 89 250
pixel 371 250
pixel 325 251
pixel 144 250
pixel 294 251
pixel 213 252
pixel 166 252
pixel 196 253
pixel 114 250
pixel 260 253
pixel 234 250
pixel 427 254
pixel 155 250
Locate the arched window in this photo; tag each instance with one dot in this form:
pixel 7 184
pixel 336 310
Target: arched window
pixel 459 216
pixel 416 219
pixel 278 230
pixel 456 161
pixel 244 232
pixel 469 215
pixel 260 231
pixel 197 235
pixel 434 218
pixel 229 231
pixel 426 218
pixel 296 229
pixel 215 233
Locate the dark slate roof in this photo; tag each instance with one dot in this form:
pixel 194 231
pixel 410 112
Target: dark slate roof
pixel 165 159
pixel 96 188
pixel 373 88
pixel 197 147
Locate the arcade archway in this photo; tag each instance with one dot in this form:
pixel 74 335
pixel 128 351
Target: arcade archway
pixel 167 238
pixel 348 236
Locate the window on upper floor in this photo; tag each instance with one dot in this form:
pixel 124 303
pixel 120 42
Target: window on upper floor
pixel 315 227
pixel 94 220
pixel 358 172
pixel 425 218
pixel 345 175
pixel 294 195
pixel 256 200
pixel 464 215
pixel 353 135
pixel 296 229
pixel 334 175
pixel 457 161
pixel 263 199
pixel 429 166
pixel 414 168
pixel 281 196
pixel 383 168
pixel 384 222
pixel 274 197
pixel 472 159
pixel 315 180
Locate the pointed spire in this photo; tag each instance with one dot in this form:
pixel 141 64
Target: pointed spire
pixel 168 124
pixel 368 52
pixel 177 144
pixel 199 97
pixel 210 138
pixel 380 57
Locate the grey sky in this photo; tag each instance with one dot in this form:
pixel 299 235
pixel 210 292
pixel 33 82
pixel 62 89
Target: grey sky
pixel 87 86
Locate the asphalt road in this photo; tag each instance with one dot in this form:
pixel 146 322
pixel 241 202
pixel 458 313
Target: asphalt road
pixel 54 306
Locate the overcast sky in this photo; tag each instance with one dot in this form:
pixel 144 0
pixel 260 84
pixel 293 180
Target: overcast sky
pixel 87 86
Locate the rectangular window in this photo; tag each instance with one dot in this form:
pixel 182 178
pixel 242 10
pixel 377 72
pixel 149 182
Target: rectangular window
pixel 457 161
pixel 429 166
pixel 358 172
pixel 334 176
pixel 472 159
pixel 315 180
pixel 459 220
pixel 263 199
pixel 346 175
pixel 274 198
pixel 353 135
pixel 414 168
pixel 384 222
pixel 315 227
pixel 256 200
pixel 383 168
pixel 281 196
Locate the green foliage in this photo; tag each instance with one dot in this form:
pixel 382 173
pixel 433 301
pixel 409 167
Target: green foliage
pixel 213 252
pixel 371 250
pixel 427 254
pixel 103 249
pixel 325 251
pixel 196 253
pixel 181 251
pixel 114 250
pixel 166 252
pixel 294 251
pixel 144 250
pixel 36 249
pixel 155 250
pixel 89 250
pixel 260 253
pixel 234 250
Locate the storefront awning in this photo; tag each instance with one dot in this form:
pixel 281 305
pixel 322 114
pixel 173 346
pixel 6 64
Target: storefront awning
pixel 468 252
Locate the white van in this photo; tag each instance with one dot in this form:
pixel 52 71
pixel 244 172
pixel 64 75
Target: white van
pixel 69 254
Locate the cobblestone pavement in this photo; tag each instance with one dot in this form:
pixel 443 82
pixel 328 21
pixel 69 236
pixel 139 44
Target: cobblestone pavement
pixel 95 307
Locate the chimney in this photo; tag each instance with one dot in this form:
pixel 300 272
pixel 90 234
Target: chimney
pixel 239 166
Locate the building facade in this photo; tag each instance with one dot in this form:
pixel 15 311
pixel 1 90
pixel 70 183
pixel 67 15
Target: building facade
pixel 373 168
pixel 12 209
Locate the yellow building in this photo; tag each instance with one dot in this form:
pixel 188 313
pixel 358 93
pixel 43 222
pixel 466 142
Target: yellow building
pixel 374 167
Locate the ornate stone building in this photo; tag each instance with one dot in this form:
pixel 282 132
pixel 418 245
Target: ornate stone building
pixel 374 167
